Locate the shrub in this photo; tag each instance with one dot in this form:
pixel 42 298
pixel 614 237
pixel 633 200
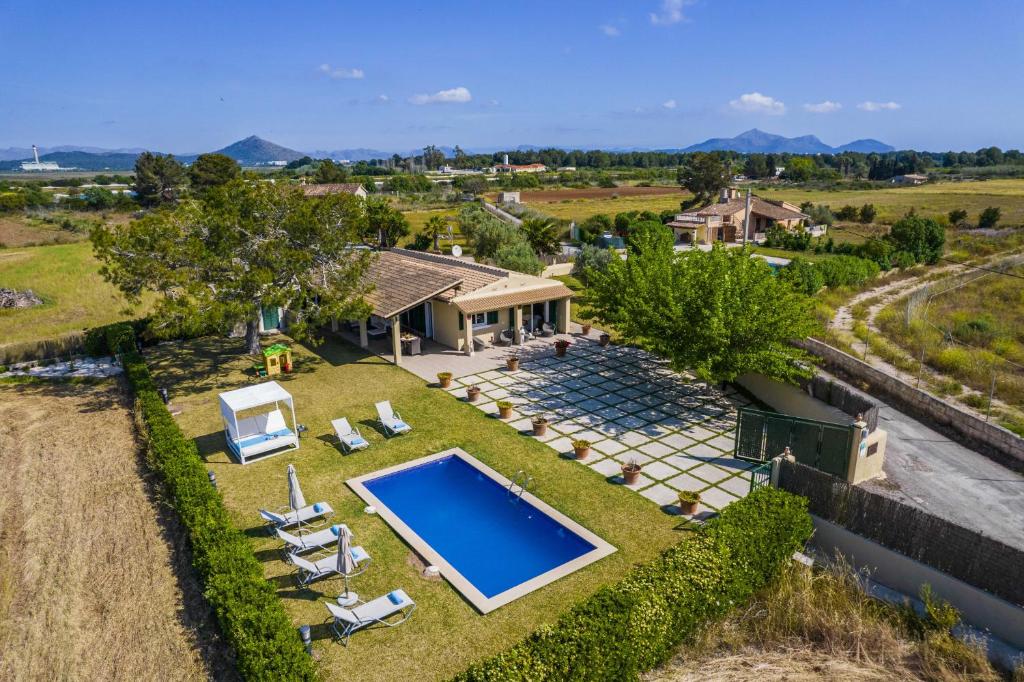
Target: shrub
pixel 627 628
pixel 989 218
pixel 591 259
pixel 803 276
pixel 847 271
pixel 250 615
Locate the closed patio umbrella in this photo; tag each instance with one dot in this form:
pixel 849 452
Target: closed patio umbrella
pixel 346 564
pixel 295 498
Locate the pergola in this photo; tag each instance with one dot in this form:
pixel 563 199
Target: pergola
pixel 262 433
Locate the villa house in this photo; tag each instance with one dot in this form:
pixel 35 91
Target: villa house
pixel 457 303
pixel 334 188
pixel 723 222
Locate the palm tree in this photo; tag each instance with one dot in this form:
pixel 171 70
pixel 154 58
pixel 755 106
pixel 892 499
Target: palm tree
pixel 434 228
pixel 542 233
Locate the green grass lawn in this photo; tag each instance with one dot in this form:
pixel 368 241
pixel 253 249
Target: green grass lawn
pixel 446 633
pixel 417 219
pixel 581 209
pixel 66 277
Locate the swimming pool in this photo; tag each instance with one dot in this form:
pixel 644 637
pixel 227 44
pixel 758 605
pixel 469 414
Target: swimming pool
pixel 491 545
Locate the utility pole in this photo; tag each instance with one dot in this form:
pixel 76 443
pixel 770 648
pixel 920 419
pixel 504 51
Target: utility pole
pixel 746 219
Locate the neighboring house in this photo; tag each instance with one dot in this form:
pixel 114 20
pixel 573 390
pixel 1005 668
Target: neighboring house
pixel 909 179
pixel 335 188
pixel 513 168
pixel 458 303
pixel 508 197
pixel 723 222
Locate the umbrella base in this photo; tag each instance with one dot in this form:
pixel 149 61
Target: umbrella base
pixel 348 599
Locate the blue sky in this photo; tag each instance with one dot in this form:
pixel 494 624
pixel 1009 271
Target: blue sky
pixel 193 76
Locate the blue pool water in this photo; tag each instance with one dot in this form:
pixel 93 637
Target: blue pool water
pixel 494 541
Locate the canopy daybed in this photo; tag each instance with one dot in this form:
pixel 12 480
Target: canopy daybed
pixel 261 434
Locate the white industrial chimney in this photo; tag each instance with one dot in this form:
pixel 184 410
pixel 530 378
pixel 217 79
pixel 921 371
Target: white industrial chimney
pixel 506 159
pixel 35 152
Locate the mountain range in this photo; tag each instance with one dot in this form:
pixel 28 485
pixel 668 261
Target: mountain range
pixel 254 151
pixel 757 141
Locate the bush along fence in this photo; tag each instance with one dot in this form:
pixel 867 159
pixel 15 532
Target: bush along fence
pixel 251 617
pixel 965 554
pixel 635 625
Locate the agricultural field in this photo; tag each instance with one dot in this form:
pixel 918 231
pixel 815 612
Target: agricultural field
pixel 580 204
pixel 931 200
pixel 95 583
pixel 66 277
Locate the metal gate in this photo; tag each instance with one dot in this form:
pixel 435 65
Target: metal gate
pixel 760 436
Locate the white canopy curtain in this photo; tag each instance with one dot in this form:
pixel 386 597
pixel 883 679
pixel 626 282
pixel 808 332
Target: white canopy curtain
pixel 262 433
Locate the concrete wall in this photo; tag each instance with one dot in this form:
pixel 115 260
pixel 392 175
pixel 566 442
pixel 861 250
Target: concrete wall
pixel 990 439
pixel 791 400
pixel 557 269
pixel 892 569
pixel 503 215
pixel 446 325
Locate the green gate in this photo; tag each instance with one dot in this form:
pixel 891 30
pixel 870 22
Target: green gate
pixel 760 436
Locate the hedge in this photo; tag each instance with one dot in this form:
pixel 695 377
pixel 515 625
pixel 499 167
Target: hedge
pixel 635 625
pixel 251 617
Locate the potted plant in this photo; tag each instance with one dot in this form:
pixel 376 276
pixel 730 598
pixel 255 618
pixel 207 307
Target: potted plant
pixel 604 339
pixel 472 393
pixel 561 345
pixel 688 501
pixel 540 425
pixel 631 471
pixel 586 328
pixel 504 409
pixel 445 379
pixel 512 362
pixel 581 448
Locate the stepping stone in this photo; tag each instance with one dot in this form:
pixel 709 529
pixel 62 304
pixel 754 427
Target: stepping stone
pixel 737 485
pixel 724 443
pixel 709 473
pixel 632 438
pixel 698 433
pixel 609 446
pixel 686 482
pixel 642 482
pixel 611 413
pixel 561 445
pixel 522 425
pixel 677 441
pixel 631 422
pixel 717 498
pixel 703 450
pixel 655 449
pixel 497 393
pixel 659 471
pixel 606 467
pixel 592 436
pixel 569 427
pixel 661 495
pixel 733 464
pixel 632 456
pixel 682 462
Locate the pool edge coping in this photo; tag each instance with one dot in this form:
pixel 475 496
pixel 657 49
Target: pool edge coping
pixel 474 596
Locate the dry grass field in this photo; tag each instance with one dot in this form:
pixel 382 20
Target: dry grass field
pixel 89 584
pixel 15 231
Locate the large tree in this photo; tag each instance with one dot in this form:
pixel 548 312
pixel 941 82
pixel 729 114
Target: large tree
pixel 921 237
pixel 542 234
pixel 157 178
pixel 718 313
pixel 212 170
pixel 328 172
pixel 435 228
pixel 218 260
pixel 384 224
pixel 704 174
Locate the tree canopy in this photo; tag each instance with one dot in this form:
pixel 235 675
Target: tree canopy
pixel 542 235
pixel 385 224
pixel 157 178
pixel 216 260
pixel 212 170
pixel 704 174
pixel 718 313
pixel 921 237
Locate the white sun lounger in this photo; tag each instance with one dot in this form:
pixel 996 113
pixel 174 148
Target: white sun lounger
pixel 391 420
pixel 351 439
pixel 321 539
pixel 380 610
pixel 286 519
pixel 328 565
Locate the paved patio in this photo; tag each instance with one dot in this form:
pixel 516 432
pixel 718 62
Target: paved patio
pixel 631 407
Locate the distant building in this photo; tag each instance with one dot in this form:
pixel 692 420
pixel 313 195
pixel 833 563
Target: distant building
pixel 38 165
pixel 567 169
pixel 527 168
pixel 723 222
pixel 909 179
pixel 334 188
pixel 508 197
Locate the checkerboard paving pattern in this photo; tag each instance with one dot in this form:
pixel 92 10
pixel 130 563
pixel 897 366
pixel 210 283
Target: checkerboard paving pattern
pixel 631 407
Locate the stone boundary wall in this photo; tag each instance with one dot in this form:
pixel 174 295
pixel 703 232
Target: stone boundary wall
pixel 974 558
pixel 500 214
pixel 992 440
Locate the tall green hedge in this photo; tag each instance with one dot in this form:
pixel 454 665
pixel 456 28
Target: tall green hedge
pixel 251 617
pixel 633 626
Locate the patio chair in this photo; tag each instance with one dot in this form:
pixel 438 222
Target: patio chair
pixel 308 571
pixel 285 518
pixel 349 436
pixel 391 420
pixel 377 331
pixel 505 337
pixel 321 539
pixel 379 611
pixel 547 330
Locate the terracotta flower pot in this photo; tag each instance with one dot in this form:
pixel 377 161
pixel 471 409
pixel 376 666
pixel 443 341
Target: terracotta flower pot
pixel 631 473
pixel 604 340
pixel 689 508
pixel 540 427
pixel 505 412
pixel 512 363
pixel 582 453
pixel 586 329
pixel 472 393
pixel 445 380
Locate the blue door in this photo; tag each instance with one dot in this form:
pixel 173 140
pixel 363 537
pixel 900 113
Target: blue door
pixel 271 318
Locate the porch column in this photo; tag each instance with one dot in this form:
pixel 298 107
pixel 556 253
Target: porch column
pixel 563 316
pixel 468 328
pixel 364 342
pixel 396 339
pixel 517 324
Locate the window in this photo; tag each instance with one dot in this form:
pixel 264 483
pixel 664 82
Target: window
pixel 485 319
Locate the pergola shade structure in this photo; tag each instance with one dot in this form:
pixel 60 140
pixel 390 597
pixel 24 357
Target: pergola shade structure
pixel 261 434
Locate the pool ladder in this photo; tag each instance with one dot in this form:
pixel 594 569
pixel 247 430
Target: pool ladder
pixel 522 481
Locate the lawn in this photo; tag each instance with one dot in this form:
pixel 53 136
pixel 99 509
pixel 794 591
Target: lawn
pixel 417 219
pixel 446 633
pixel 581 209
pixel 66 277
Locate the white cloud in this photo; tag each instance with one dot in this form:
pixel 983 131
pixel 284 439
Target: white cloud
pixel 610 31
pixel 879 106
pixel 755 102
pixel 339 73
pixel 381 99
pixel 669 104
pixel 458 95
pixel 826 107
pixel 671 12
